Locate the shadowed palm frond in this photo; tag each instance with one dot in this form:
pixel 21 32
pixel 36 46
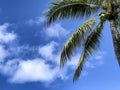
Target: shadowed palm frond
pixel 70 9
pixel 117 21
pixel 117 2
pixel 75 41
pixel 91 44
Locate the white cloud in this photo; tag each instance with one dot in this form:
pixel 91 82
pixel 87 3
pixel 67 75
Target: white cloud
pixel 48 51
pixel 34 70
pixel 56 30
pixel 5 36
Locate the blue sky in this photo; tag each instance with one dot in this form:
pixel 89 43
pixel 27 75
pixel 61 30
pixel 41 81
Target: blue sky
pixel 29 52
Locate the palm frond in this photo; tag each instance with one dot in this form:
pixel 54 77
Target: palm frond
pixel 117 3
pixel 75 41
pixel 70 9
pixel 117 22
pixel 91 44
pixel 97 2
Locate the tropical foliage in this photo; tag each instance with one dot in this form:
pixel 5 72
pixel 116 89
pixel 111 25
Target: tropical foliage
pixel 87 35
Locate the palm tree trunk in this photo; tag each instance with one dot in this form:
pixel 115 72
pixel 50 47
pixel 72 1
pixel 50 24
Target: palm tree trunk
pixel 116 39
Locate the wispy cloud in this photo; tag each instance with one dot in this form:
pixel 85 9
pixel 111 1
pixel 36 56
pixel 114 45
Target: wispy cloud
pixel 9 68
pixel 47 50
pixel 53 31
pixel 3 53
pixel 36 21
pixel 96 60
pixel 5 36
pixel 56 30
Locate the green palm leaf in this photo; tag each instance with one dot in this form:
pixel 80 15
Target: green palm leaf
pixel 70 9
pixel 91 44
pixel 75 41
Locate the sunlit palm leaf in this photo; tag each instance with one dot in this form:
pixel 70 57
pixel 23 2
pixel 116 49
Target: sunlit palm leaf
pixel 75 41
pixel 97 2
pixel 70 9
pixel 90 46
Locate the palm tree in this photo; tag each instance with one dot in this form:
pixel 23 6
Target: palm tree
pixel 87 35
